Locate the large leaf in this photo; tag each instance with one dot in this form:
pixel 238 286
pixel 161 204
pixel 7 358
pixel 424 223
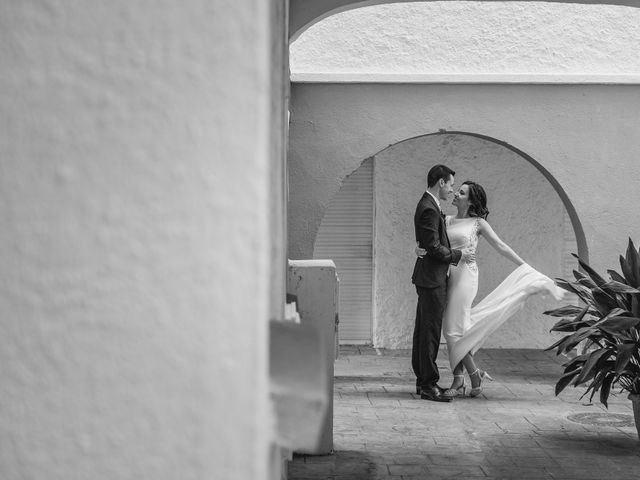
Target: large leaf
pixel 590 271
pixel 562 342
pixel 588 370
pixel 619 324
pixel 576 362
pixel 594 386
pixel 568 343
pixel 568 286
pixel 584 279
pixel 604 369
pixel 614 312
pixel 604 301
pixel 623 301
pixel 633 260
pixel 565 325
pixel 616 276
pixel 619 287
pixel 574 287
pixel 565 311
pixel 605 389
pixel 627 271
pixel 625 352
pixel 572 324
pixel 565 380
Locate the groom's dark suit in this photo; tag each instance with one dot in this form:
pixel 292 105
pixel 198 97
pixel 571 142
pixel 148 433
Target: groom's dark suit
pixel 430 279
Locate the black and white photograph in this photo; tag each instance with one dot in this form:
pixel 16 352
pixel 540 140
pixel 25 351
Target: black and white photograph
pixel 319 240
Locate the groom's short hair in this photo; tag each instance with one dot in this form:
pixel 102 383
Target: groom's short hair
pixel 438 172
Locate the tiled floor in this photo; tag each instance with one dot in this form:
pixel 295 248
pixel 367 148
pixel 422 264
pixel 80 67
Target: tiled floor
pixel 517 429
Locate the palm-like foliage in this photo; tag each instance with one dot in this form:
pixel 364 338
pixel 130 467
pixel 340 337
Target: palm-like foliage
pixel 608 321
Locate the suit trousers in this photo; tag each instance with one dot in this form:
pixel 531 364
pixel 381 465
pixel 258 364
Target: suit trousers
pixel 426 334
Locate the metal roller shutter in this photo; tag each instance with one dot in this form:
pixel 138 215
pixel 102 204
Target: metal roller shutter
pixel 346 237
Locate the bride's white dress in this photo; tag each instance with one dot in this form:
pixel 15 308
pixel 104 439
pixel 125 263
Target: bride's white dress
pixel 465 329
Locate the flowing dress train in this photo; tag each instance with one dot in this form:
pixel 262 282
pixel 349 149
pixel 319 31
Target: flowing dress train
pixel 465 329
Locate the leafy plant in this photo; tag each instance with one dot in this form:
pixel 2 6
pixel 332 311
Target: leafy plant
pixel 608 324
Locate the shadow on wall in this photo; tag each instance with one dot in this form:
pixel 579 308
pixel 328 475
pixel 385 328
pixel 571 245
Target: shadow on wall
pixel 529 210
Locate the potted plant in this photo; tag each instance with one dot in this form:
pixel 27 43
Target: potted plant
pixel 607 324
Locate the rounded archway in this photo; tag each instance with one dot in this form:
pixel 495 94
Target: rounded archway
pixel 305 13
pixel 409 41
pixel 529 210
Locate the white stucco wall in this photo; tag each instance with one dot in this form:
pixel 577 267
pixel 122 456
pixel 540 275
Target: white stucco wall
pixel 525 211
pixel 135 177
pixel 586 136
pixel 473 37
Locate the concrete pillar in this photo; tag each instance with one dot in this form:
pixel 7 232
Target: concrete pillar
pixel 314 285
pixel 136 237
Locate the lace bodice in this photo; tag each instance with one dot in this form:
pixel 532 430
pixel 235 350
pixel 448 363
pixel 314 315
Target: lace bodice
pixel 463 233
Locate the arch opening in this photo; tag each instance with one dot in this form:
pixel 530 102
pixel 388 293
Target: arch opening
pixel 303 14
pixel 530 211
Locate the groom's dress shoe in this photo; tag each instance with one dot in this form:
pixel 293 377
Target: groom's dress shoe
pixel 435 394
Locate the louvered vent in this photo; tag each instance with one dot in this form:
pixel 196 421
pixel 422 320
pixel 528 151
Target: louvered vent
pixel 346 237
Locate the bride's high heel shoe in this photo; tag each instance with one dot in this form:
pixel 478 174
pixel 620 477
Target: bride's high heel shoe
pixel 475 391
pixel 456 392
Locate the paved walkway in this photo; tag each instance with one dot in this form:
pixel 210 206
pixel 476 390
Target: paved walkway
pixel 517 429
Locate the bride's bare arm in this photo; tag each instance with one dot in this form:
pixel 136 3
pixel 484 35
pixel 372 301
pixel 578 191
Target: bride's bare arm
pixel 502 248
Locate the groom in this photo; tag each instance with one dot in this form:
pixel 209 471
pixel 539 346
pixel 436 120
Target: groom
pixel 430 278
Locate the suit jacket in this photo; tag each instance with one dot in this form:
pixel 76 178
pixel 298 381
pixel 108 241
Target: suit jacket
pixel 431 233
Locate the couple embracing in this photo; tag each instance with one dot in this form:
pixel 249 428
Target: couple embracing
pixel 446 279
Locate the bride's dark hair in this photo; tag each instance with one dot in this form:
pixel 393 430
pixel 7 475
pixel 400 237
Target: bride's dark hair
pixel 477 200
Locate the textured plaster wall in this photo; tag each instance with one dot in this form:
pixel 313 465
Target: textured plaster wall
pixel 587 137
pixel 526 212
pixel 473 37
pixel 134 180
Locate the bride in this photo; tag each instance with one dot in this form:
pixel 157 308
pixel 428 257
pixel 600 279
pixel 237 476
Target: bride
pixel 466 328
